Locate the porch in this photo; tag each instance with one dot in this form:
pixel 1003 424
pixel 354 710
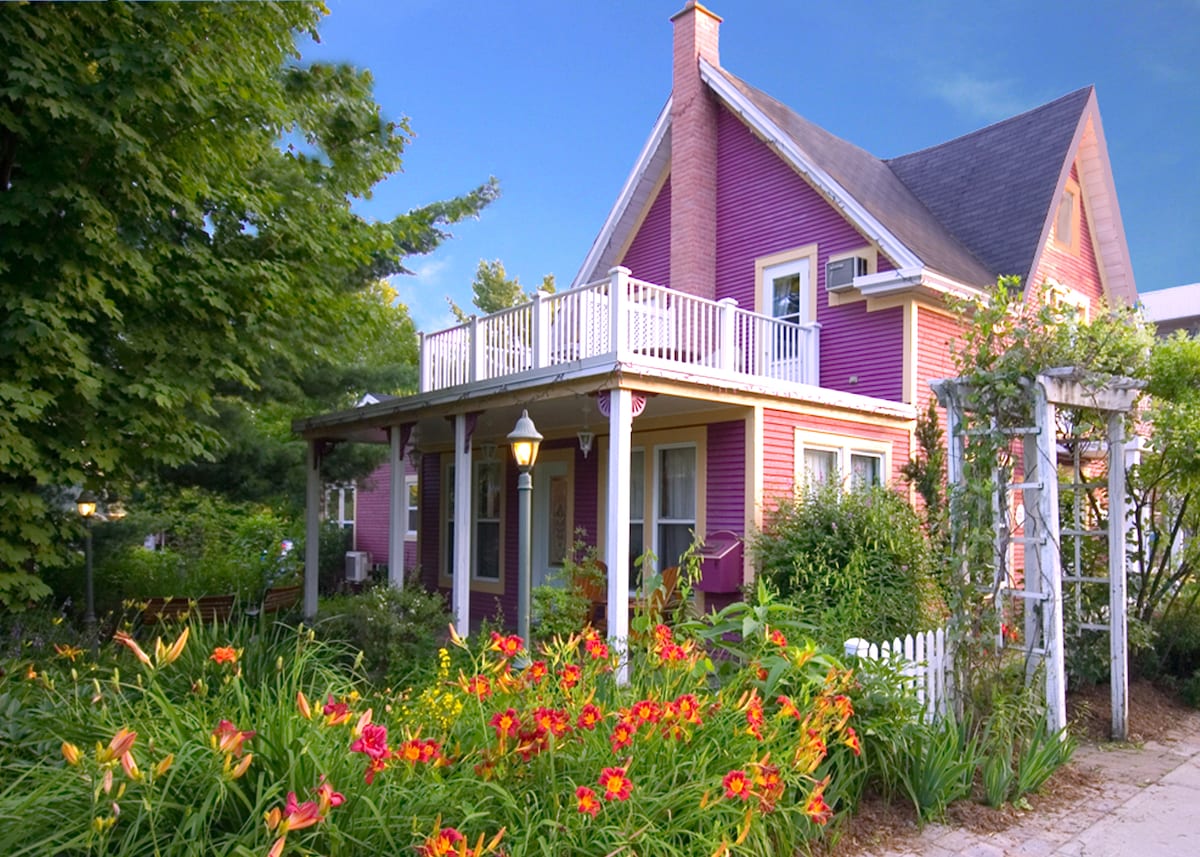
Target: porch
pixel 621 319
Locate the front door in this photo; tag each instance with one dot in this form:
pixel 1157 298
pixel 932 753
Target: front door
pixel 551 519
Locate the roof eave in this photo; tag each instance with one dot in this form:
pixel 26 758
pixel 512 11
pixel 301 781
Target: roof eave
pixel 918 281
pixel 638 176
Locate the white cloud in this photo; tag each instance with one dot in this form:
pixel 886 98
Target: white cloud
pixel 989 100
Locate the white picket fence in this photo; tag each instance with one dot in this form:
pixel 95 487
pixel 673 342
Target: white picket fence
pixel 924 658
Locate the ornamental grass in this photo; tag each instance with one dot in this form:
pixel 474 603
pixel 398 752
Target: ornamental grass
pixel 251 740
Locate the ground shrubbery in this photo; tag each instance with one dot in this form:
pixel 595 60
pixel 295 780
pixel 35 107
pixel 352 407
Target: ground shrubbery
pixel 856 563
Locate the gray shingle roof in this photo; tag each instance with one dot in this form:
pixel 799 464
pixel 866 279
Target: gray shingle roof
pixel 972 208
pixel 994 188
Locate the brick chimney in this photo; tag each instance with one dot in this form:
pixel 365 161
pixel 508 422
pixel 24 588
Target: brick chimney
pixel 694 154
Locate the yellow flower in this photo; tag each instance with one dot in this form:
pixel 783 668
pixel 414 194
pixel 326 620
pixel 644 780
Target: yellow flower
pixel 165 655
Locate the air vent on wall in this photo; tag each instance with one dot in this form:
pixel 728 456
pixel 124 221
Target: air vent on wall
pixel 840 273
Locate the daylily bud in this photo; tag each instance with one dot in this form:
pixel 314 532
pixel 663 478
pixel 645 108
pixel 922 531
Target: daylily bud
pixel 71 753
pixel 241 767
pixel 162 767
pixel 302 704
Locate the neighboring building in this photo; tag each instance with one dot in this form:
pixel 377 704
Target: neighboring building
pixel 765 305
pixel 1173 309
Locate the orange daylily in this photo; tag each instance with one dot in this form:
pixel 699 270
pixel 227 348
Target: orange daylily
pixel 224 655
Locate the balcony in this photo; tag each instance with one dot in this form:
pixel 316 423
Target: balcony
pixel 626 320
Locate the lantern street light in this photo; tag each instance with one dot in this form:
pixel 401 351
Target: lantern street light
pixel 525 440
pixel 86 505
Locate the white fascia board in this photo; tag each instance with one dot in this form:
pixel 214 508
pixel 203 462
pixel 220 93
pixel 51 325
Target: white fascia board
pixel 783 143
pixel 913 279
pixel 636 177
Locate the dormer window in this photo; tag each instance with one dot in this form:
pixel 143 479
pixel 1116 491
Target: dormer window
pixel 1067 220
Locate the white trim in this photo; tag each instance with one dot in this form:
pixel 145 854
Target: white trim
pixel 921 280
pixel 615 215
pixel 411 481
pixel 844 447
pixel 783 143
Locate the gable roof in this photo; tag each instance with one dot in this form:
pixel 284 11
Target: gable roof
pixel 971 209
pixel 994 188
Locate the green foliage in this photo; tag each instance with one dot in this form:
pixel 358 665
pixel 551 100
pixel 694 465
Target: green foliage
pixel 281 690
pixel 20 590
pixel 941 763
pixel 394 632
pixel 494 291
pixel 856 563
pixel 179 225
pixel 927 474
pixel 210 546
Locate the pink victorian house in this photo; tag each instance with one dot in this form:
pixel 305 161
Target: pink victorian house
pixel 765 304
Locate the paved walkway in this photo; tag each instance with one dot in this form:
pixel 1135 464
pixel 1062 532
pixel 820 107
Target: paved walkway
pixel 1146 803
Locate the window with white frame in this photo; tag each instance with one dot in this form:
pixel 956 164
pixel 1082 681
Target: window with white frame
pixel 486 544
pixel 339 505
pixel 412 498
pixel 637 512
pixel 675 504
pixel 823 459
pixel 485 514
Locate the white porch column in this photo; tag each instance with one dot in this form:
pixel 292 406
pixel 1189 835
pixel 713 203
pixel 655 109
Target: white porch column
pixel 1118 528
pixel 618 318
pixel 728 343
pixel 462 526
pixel 1049 562
pixel 616 544
pixel 312 529
pixel 397 505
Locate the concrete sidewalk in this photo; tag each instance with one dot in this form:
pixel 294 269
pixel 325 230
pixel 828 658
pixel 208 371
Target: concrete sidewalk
pixel 1146 803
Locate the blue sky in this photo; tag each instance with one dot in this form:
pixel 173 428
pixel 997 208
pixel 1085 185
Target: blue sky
pixel 555 99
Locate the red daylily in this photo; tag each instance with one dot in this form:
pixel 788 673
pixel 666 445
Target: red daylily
pixel 589 717
pixel 815 807
pixel 336 713
pixel 230 739
pixel 689 708
pixel 477 686
pixel 586 801
pixel 327 797
pixel 224 655
pixel 737 785
pixel 444 842
pixel 506 723
pixel 616 785
pixel 754 716
pixel 851 741
pixel 778 638
pixel 787 708
pixel 597 648
pixel 373 742
pixel 569 676
pixel 509 646
pixel 536 672
pixel 622 734
pixel 646 711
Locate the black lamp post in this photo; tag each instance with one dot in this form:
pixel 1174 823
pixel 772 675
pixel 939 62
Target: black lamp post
pixel 525 440
pixel 86 504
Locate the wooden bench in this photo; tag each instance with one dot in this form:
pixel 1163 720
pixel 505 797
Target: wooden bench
pixel 206 608
pixel 280 598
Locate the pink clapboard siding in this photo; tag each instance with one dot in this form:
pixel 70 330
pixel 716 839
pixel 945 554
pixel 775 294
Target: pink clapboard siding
pixel 1080 272
pixel 779 448
pixel 765 207
pixel 726 466
pixel 649 254
pixel 371 513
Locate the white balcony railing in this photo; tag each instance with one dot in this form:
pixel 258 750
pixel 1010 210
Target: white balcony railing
pixel 626 319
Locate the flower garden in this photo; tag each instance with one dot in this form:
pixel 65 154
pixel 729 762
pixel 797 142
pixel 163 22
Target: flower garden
pixel 733 735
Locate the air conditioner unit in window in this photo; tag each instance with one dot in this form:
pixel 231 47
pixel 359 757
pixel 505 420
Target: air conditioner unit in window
pixel 840 274
pixel 358 566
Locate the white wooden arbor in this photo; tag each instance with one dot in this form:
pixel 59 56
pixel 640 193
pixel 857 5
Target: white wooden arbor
pixel 1039 443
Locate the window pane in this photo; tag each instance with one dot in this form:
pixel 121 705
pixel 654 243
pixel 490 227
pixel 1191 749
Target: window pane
pixel 487 550
pixel 413 497
pixel 348 508
pixel 820 466
pixel 865 470
pixel 637 485
pixel 487 497
pixel 786 297
pixel 673 540
pixel 637 547
pixel 677 483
